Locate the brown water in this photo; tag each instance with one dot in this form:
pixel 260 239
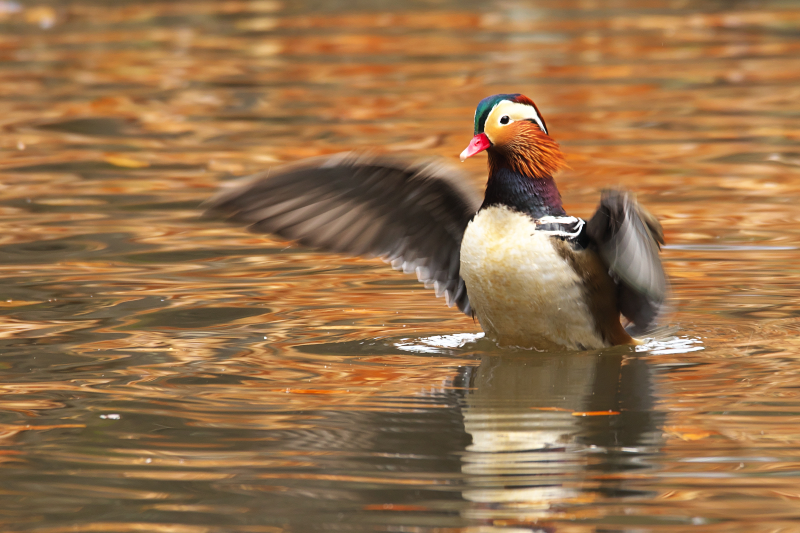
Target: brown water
pixel 165 373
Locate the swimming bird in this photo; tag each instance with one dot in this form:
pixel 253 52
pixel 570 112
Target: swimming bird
pixel 532 275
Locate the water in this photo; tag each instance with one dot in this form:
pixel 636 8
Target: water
pixel 161 372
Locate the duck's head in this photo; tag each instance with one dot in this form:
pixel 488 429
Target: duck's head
pixel 515 135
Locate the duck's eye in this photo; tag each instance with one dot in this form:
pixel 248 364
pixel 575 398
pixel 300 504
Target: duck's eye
pixel 504 120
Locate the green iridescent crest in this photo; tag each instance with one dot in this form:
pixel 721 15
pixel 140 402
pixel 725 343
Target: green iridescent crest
pixel 485 107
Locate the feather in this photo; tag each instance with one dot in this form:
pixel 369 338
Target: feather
pixel 411 215
pixel 628 240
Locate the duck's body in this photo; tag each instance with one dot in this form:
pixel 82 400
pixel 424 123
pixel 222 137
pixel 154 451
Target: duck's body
pixel 533 276
pixel 522 284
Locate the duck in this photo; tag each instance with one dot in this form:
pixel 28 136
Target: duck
pixel 511 258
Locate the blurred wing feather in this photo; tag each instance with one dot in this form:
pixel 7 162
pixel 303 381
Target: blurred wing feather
pixel 411 215
pixel 628 239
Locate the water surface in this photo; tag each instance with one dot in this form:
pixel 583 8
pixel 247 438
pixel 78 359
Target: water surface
pixel 162 372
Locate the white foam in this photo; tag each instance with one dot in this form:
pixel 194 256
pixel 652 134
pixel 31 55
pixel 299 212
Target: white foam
pixel 671 345
pixel 438 343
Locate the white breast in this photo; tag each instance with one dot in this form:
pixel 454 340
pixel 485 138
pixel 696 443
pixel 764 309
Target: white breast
pixel 523 292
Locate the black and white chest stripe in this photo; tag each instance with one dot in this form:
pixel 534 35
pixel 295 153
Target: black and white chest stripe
pixel 568 228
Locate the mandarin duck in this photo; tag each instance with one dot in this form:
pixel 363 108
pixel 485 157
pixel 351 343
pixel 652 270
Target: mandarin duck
pixel 532 275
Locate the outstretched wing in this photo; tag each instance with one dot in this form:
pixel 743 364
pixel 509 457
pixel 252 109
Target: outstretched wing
pixel 628 239
pixel 412 215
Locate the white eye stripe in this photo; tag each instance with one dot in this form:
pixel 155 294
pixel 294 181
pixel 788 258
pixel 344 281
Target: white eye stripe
pixel 536 118
pixel 540 123
pixel 516 111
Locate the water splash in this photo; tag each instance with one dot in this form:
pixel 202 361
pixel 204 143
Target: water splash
pixel 438 343
pixel 671 345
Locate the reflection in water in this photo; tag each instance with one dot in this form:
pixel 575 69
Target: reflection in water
pixel 164 373
pixel 555 430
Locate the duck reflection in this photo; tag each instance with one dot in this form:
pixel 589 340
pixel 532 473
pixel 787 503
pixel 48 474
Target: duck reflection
pixel 522 441
pixel 553 430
